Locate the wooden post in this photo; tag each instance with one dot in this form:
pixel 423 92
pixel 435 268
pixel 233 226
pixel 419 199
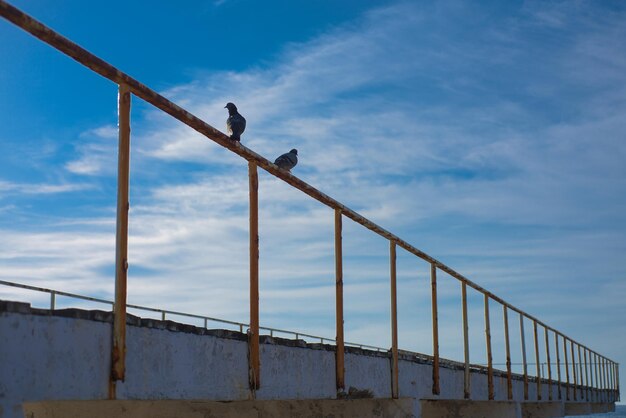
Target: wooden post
pixel 253 336
pixel 537 361
pixel 509 372
pixel 566 369
pixel 394 321
pixel 466 375
pixel 558 364
pixel 545 330
pixel 118 353
pixel 575 382
pixel 525 365
pixel 433 285
pixel 489 354
pixel 340 353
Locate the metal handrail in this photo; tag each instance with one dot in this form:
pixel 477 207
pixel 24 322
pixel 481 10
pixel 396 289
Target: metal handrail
pixel 165 312
pixel 108 71
pixel 608 371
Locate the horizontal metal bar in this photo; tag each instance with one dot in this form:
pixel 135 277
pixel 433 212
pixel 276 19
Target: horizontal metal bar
pixel 106 70
pixel 56 292
pixel 110 72
pixel 178 313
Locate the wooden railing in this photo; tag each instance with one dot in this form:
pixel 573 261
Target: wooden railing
pixel 594 370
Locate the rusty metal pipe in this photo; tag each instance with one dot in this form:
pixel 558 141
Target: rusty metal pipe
pixel 466 374
pixel 99 66
pixel 435 320
pixel 254 357
pixel 394 320
pixel 490 388
pixel 537 360
pixel 340 348
pixel 549 365
pixel 575 382
pixel 509 372
pixel 567 386
pixel 558 364
pixel 118 352
pixel 523 342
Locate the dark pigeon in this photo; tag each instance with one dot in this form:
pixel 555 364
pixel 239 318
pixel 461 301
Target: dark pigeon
pixel 235 123
pixel 287 161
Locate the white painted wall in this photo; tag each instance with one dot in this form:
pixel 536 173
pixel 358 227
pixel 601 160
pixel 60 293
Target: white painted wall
pixel 46 357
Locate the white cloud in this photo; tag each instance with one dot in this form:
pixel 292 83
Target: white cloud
pixel 39 188
pixel 463 145
pixel 97 151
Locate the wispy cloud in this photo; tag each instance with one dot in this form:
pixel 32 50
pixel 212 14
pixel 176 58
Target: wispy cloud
pixel 97 152
pixel 7 188
pixel 499 153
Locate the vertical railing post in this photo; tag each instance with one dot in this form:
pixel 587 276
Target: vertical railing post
pixel 592 382
pixel 566 369
pixel 394 320
pixel 489 354
pixel 575 381
pixel 537 360
pixel 433 285
pixel 558 364
pixel 617 392
pixel 608 379
pixel 612 374
pixel 525 365
pixel 592 377
pixel 613 384
pixel 586 376
pixel 609 383
pixel 545 329
pixel 466 374
pixel 340 353
pixel 600 366
pixel 610 366
pixel 118 353
pixel 52 300
pixel 580 374
pixel 254 356
pixel 604 379
pixel 507 344
pixel 598 384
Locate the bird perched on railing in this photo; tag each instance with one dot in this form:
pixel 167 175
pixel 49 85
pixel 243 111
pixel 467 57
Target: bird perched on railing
pixel 235 124
pixel 287 161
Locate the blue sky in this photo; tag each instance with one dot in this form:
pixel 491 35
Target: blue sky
pixel 489 135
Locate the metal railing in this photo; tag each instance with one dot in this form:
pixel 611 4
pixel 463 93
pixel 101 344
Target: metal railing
pixel 594 370
pixel 164 312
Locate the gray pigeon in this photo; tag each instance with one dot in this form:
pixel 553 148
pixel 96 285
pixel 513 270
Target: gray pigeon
pixel 287 161
pixel 235 123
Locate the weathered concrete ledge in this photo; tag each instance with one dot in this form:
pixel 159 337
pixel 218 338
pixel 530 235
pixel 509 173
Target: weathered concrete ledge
pixel 355 408
pixel 465 408
pixel 543 409
pixel 602 408
pixel 64 355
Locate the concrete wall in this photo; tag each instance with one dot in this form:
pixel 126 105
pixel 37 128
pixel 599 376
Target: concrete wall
pixel 66 356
